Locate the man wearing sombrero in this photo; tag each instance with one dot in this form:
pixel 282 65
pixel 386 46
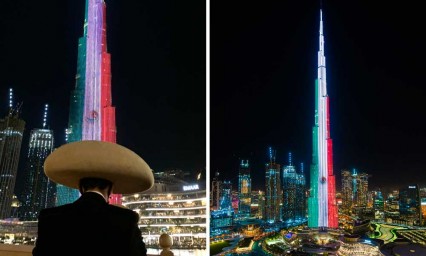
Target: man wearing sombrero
pixel 91 226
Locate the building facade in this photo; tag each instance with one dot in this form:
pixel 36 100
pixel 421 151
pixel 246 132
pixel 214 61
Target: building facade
pixel 173 206
pixel 39 191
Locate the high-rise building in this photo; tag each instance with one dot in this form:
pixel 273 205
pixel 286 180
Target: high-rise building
pixel 410 204
pixel 322 202
pixel 92 116
pixel 215 193
pixel 11 132
pixel 347 191
pixel 257 204
pixel 226 196
pixel 222 219
pixel 378 205
pixel 294 194
pixel 39 191
pixel 354 190
pixel 301 203
pixel 289 188
pixel 361 198
pixel 244 189
pixel 273 195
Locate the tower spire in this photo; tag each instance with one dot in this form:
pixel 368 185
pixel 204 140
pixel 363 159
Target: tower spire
pixel 321 41
pixel 272 155
pixel 45 115
pixel 10 98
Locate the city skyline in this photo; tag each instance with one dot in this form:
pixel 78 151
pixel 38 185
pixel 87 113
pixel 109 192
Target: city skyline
pixel 263 71
pixel 158 55
pixel 358 97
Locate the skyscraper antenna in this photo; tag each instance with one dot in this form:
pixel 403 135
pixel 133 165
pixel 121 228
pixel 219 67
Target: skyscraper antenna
pixel 272 155
pixel 10 98
pixel 45 115
pixel 289 159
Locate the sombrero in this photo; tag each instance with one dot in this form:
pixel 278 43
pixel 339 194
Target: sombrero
pixel 99 159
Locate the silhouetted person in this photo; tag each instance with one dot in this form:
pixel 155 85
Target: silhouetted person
pixel 90 225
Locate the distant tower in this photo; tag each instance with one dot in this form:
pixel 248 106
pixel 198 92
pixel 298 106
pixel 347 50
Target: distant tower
pixel 322 202
pixel 244 189
pixel 289 188
pixel 215 193
pixel 226 196
pixel 300 205
pixel 409 204
pixel 39 191
pixel 92 116
pixel 11 132
pixel 354 190
pixel 273 193
pixel 362 196
pixel 347 191
pixel 378 205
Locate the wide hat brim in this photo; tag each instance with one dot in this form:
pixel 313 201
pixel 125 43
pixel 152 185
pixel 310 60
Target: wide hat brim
pixel 71 162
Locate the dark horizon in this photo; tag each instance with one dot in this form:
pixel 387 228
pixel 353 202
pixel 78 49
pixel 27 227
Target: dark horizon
pixel 263 70
pixel 157 56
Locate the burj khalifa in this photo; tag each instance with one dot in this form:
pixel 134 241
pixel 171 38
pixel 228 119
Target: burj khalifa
pixel 322 208
pixel 92 116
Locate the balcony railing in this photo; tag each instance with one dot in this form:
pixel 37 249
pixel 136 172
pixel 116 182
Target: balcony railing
pixel 165 242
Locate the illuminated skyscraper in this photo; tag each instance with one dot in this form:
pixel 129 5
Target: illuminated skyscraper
pixel 273 195
pixel 410 204
pixel 11 132
pixel 362 189
pixel 226 196
pixel 322 205
pixel 300 205
pixel 92 116
pixel 39 191
pixel 294 196
pixel 289 188
pixel 378 205
pixel 257 209
pixel 347 191
pixel 244 189
pixel 215 193
pixel 354 190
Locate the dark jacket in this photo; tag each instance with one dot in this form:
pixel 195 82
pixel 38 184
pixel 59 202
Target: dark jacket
pixel 89 226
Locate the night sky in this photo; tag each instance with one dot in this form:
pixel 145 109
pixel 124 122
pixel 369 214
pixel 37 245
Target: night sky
pixel 158 51
pixel 263 70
